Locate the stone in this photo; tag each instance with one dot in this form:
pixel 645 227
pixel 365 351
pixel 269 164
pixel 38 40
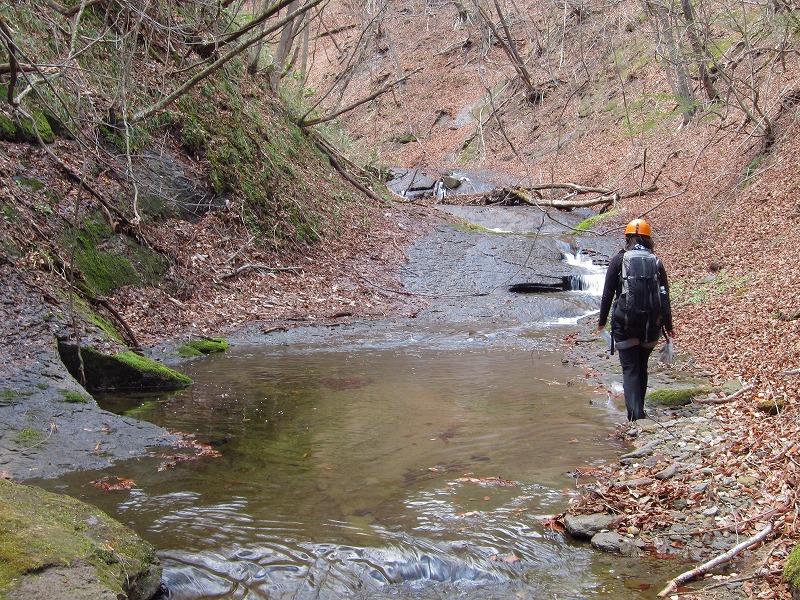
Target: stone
pixel 615 543
pixel 645 450
pixel 451 182
pixel 59 547
pixel 667 473
pixel 585 526
pixel 634 483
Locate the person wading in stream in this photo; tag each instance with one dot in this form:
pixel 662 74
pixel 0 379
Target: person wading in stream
pixel 636 285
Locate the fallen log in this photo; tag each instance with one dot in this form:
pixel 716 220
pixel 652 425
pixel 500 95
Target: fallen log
pixel 530 195
pixel 715 562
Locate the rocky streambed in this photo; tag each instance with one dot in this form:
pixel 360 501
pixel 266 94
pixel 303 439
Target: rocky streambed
pixel 668 496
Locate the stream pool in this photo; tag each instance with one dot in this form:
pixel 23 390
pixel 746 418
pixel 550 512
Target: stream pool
pixel 374 470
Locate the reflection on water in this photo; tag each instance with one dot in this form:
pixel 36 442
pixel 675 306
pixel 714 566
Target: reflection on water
pixel 374 474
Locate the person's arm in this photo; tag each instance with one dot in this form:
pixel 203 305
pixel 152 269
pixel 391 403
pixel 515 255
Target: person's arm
pixel 609 289
pixel 666 305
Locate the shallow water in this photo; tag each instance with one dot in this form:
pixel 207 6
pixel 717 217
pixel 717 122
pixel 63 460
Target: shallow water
pixel 374 471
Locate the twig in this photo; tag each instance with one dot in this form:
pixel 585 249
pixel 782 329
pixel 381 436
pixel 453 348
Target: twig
pixel 134 342
pixel 52 429
pixel 733 396
pixel 715 562
pixel 259 267
pixel 303 123
pixel 778 510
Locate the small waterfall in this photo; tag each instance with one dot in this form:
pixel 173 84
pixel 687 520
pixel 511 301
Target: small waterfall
pixel 592 278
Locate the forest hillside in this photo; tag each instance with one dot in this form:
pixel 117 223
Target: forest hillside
pixel 175 170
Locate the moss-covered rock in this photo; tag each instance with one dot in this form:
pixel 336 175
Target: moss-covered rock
pixel 676 396
pixel 203 346
pixel 8 129
pixel 20 129
pixel 791 571
pixel 772 406
pixel 123 371
pixel 28 128
pixel 54 546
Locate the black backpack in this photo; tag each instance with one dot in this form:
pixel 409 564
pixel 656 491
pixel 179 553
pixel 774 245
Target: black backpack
pixel 638 306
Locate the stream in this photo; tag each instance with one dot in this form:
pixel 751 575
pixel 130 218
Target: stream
pixel 410 458
pixel 412 470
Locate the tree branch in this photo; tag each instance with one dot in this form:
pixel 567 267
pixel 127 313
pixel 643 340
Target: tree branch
pixel 205 50
pixel 12 60
pixel 358 103
pixel 715 562
pixel 607 195
pixel 733 396
pixel 217 64
pixel 258 267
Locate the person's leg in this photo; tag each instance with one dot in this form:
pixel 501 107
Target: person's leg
pixel 644 357
pixel 629 361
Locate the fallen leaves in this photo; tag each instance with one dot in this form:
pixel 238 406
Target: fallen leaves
pixel 118 484
pixel 186 440
pixel 487 481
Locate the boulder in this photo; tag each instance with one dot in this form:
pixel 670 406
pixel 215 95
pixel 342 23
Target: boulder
pixel 585 526
pixel 57 547
pixel 615 543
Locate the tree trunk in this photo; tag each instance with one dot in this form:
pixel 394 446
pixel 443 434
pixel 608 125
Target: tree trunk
pixel 674 65
pixel 701 55
pixel 282 51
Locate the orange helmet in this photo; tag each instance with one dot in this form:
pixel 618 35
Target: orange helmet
pixel 638 227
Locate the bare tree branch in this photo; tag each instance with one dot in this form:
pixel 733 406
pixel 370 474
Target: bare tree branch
pixel 358 103
pixel 715 562
pixel 12 60
pixel 217 64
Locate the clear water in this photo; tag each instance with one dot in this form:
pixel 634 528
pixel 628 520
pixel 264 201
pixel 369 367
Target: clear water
pixel 394 472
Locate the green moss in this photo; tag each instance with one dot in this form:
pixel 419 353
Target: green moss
pixel 406 138
pixel 9 214
pixel 187 351
pixel 28 437
pixel 752 170
pixel 676 396
pixel 193 139
pixel 8 129
pixel 791 569
pixel 99 257
pixel 82 307
pixel 588 224
pixel 74 397
pixel 772 406
pixel 683 292
pixel 204 346
pixel 27 128
pixel 41 530
pixel 8 395
pixel 124 371
pixel 150 265
pixel 472 227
